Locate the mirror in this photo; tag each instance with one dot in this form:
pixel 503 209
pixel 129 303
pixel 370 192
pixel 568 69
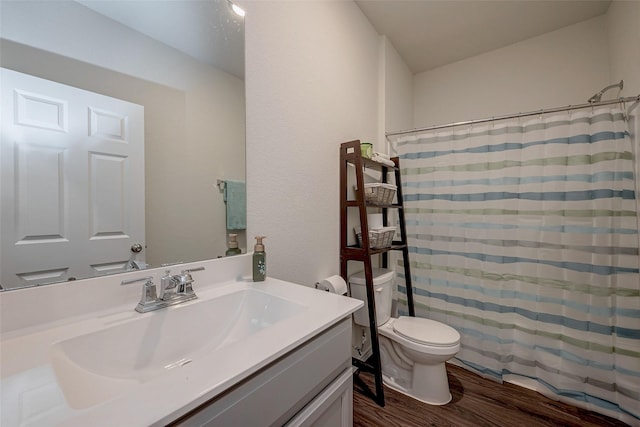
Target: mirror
pixel 182 63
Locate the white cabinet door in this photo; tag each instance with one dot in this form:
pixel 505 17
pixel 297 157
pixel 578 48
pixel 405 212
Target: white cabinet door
pixel 331 408
pixel 72 183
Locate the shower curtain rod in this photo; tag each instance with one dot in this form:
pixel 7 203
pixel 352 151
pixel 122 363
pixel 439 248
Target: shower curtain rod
pixel 513 116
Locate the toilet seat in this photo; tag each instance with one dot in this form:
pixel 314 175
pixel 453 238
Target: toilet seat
pixel 426 331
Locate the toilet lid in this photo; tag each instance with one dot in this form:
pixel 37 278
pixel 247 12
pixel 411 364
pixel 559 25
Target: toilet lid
pixel 426 331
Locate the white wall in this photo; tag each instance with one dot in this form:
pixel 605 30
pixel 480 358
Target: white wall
pixel 398 99
pixel 623 24
pixel 189 139
pixel 312 83
pixel 559 68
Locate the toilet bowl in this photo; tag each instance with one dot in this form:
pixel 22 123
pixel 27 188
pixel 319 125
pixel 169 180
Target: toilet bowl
pixel 413 351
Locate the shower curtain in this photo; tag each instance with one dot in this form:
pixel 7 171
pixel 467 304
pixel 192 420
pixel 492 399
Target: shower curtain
pixel 523 236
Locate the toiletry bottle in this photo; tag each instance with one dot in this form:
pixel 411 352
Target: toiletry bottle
pixel 259 261
pixel 233 246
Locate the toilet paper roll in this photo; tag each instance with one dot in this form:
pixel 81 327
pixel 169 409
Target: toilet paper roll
pixel 334 284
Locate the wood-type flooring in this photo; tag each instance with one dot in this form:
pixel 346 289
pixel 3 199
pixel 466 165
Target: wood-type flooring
pixel 477 402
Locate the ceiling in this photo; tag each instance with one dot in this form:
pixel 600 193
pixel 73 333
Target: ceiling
pixel 426 33
pixel 432 33
pixel 205 29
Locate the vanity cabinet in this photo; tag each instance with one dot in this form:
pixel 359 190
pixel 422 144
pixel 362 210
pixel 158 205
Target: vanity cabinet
pixel 310 386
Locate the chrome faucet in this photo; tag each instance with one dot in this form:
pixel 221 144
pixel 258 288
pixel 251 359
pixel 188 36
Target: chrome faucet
pixel 174 289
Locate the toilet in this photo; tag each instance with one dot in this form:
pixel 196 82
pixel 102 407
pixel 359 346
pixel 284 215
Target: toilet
pixel 413 350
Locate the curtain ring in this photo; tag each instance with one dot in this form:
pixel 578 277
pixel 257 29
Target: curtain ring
pixel 570 114
pixel 632 106
pixel 623 107
pixel 519 120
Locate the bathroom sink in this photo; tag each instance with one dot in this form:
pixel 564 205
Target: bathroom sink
pixel 97 366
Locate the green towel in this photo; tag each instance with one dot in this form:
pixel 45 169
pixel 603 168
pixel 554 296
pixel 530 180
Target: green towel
pixel 235 197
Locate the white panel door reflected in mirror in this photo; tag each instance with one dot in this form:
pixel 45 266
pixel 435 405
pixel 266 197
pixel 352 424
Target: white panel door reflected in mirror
pixel 72 182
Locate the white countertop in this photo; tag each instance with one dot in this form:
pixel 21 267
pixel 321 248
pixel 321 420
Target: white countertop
pixel 32 396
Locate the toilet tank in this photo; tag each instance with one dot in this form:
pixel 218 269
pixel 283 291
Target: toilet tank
pixel 383 293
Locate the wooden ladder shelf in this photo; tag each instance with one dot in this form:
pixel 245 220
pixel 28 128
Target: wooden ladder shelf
pixel 350 154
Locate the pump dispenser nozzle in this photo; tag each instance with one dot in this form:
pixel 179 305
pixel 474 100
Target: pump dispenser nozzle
pixel 259 245
pixel 233 246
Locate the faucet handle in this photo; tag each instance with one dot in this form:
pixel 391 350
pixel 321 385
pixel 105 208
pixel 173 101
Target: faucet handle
pixel 148 279
pixel 186 280
pixel 189 270
pixel 149 294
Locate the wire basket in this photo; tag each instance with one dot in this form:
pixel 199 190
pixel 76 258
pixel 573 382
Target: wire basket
pixel 379 193
pixel 378 238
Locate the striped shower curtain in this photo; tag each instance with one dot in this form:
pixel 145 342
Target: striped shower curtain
pixel 523 236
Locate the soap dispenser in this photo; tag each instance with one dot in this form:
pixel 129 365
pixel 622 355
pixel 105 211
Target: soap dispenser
pixel 233 246
pixel 259 260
